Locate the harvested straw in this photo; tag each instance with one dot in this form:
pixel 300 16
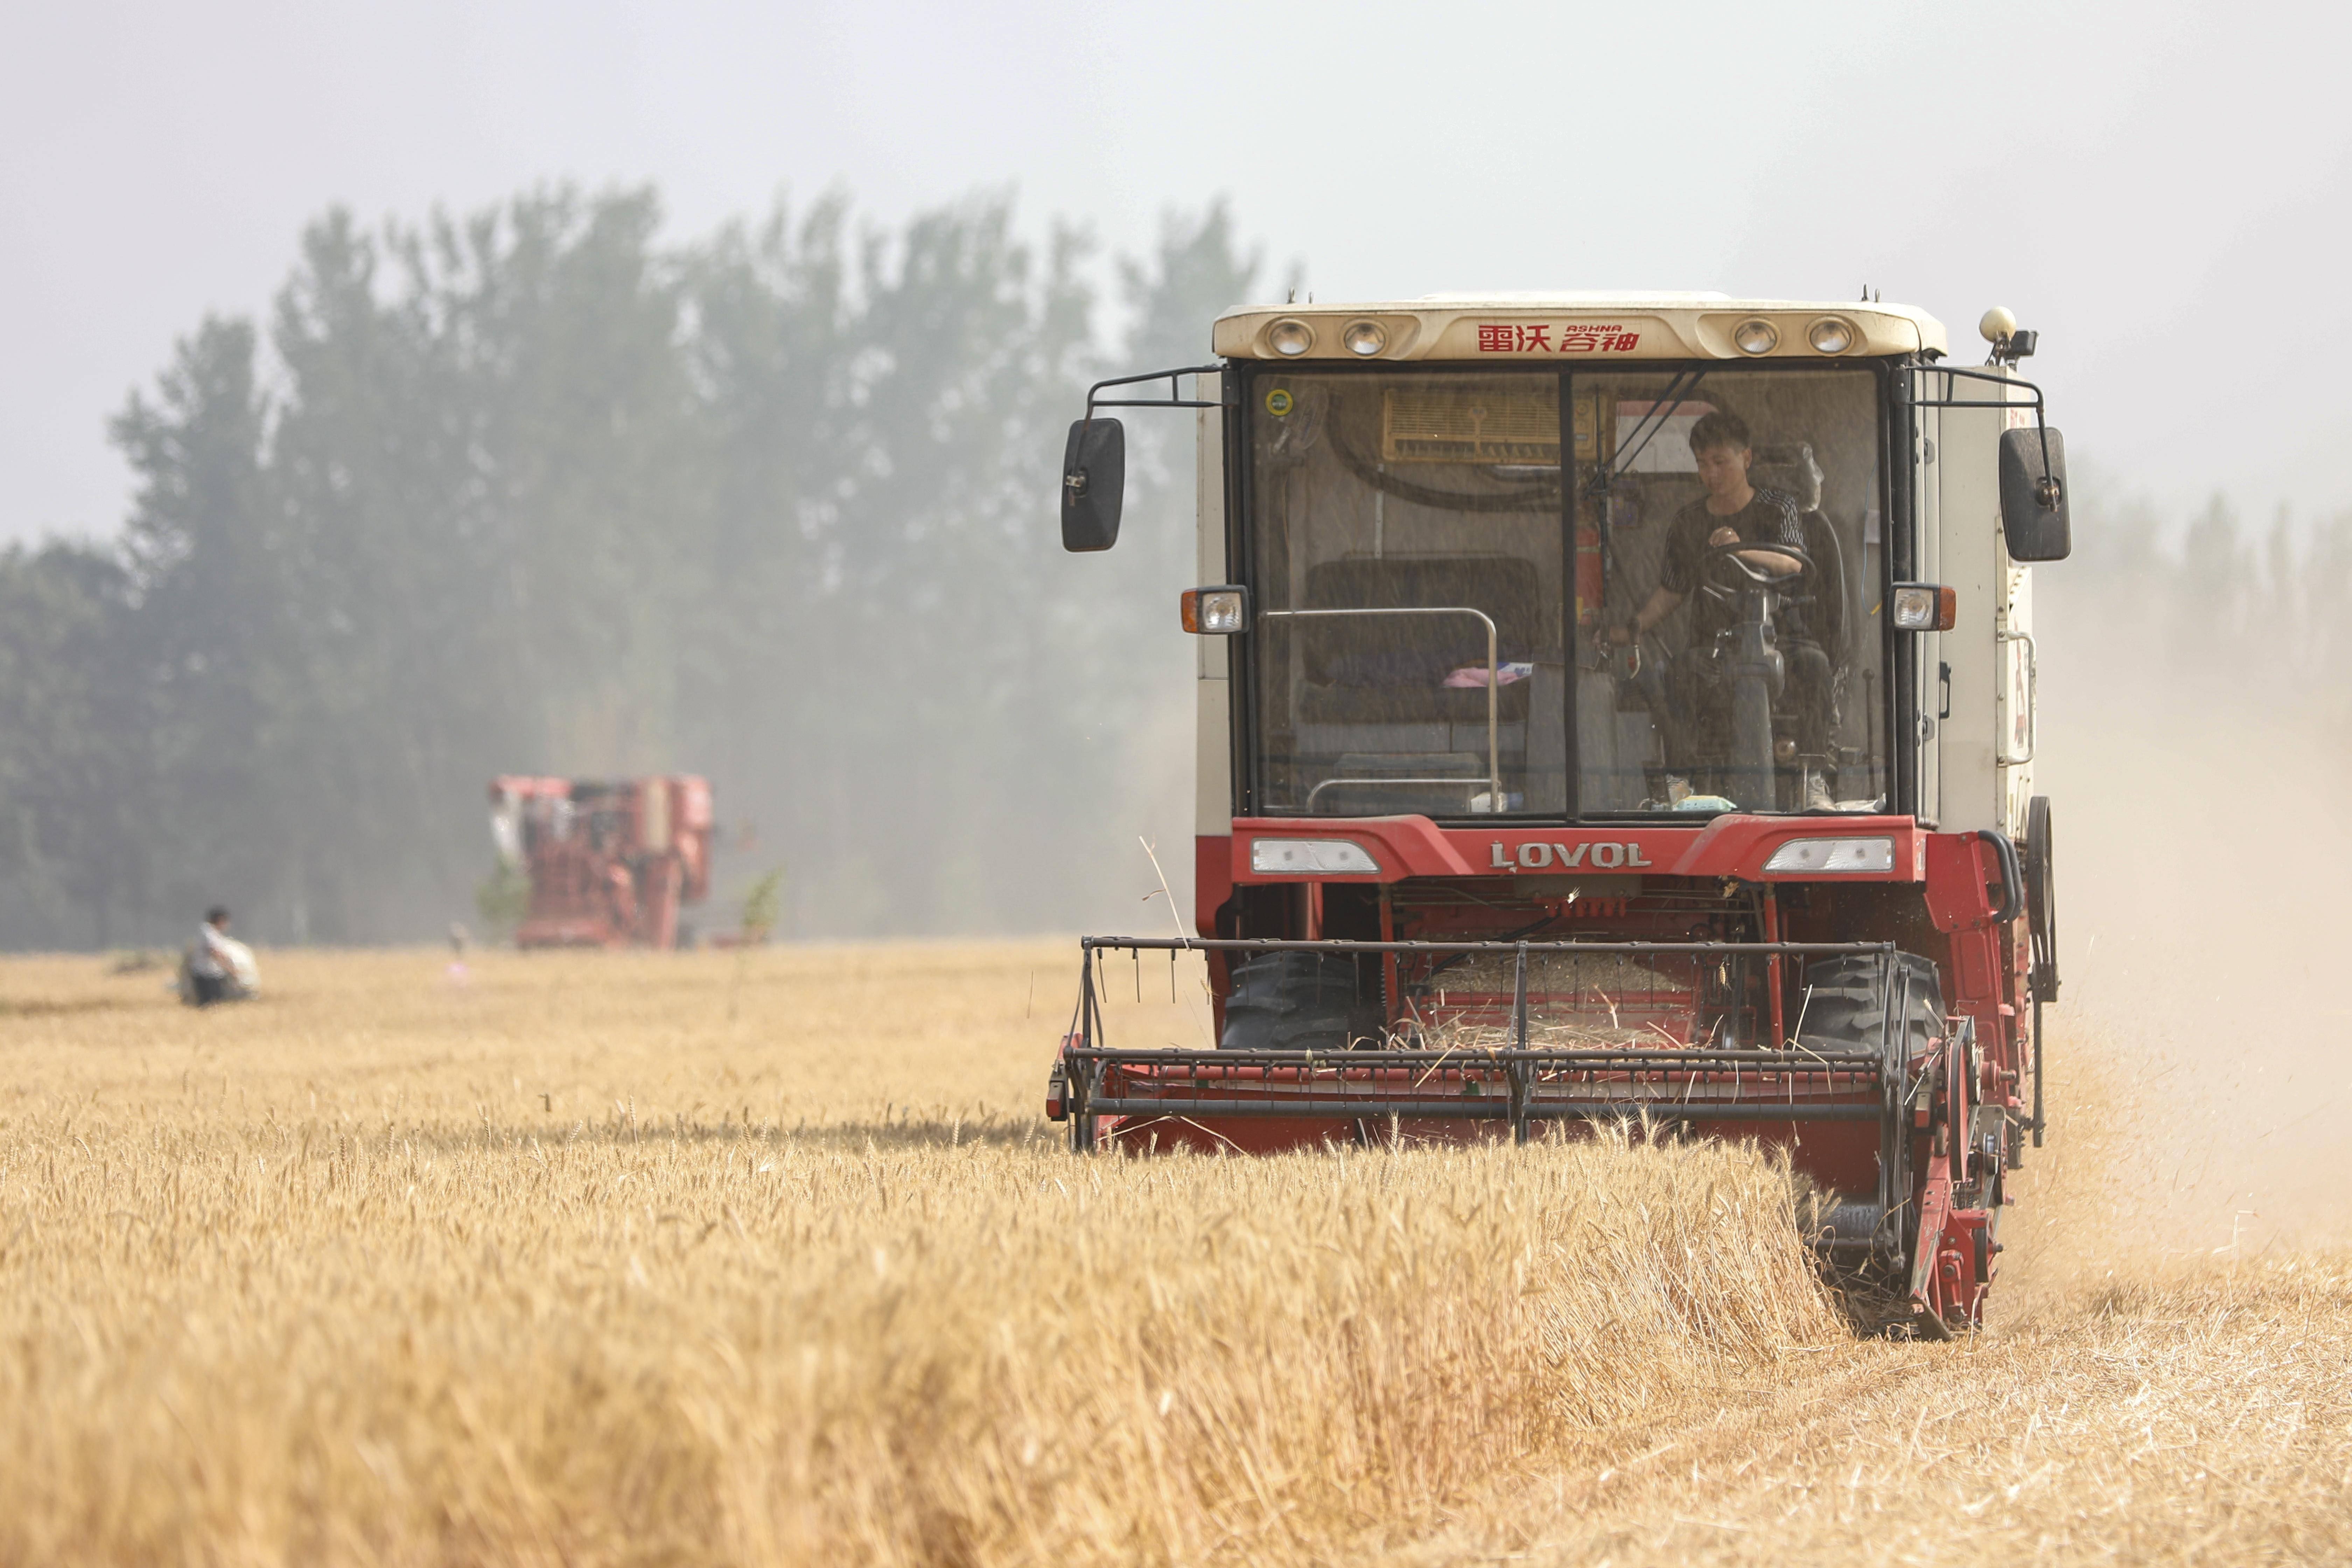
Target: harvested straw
pixel 1573 999
pixel 1581 974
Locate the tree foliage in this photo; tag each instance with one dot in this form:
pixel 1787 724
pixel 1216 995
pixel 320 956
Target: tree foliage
pixel 534 490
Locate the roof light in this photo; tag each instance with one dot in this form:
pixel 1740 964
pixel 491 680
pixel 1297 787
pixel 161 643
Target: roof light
pixel 1830 856
pixel 1308 856
pixel 1365 338
pixel 1831 335
pixel 1756 336
pixel 1290 337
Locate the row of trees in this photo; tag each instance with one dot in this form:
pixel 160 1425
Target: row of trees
pixel 2165 608
pixel 538 492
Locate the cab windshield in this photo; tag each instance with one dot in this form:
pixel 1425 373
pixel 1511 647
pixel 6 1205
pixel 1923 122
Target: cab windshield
pixel 1534 594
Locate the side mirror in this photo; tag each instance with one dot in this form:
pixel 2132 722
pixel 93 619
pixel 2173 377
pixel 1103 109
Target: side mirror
pixel 1094 484
pixel 2033 516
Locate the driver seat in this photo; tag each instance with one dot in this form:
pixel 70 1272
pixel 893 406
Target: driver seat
pixel 1828 605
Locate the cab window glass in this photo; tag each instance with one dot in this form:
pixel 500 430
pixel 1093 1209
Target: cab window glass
pixel 1411 583
pixel 1728 562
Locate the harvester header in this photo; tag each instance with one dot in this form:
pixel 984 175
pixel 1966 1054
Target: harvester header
pixel 1612 707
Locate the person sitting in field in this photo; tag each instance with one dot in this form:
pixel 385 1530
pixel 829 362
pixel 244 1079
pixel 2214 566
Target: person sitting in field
pixel 219 967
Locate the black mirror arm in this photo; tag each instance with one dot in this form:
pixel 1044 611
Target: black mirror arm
pixel 2049 485
pixel 1095 400
pixel 1076 482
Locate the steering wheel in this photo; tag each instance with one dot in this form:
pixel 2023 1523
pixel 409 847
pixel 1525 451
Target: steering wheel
pixel 1720 555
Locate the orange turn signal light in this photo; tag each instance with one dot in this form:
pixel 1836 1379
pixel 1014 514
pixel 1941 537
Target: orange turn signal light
pixel 1925 607
pixel 1218 612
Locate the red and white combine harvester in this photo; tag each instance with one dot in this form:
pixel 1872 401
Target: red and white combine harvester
pixel 1614 709
pixel 609 864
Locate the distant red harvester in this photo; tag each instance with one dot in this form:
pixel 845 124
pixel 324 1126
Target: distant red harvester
pixel 610 863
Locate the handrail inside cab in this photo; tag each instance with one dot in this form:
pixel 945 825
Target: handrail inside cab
pixel 1494 688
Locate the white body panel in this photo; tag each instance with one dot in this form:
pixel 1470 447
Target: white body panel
pixel 2014 710
pixel 1212 790
pixel 1927 566
pixel 1977 767
pixel 1967 558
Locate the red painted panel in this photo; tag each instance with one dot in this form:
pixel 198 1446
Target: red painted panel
pixel 1733 845
pixel 1213 880
pixel 1956 894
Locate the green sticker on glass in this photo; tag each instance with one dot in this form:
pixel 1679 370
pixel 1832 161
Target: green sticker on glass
pixel 1277 402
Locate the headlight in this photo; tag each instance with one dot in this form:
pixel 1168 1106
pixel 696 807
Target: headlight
pixel 1304 857
pixel 1756 336
pixel 1925 607
pixel 1216 611
pixel 1290 338
pixel 1366 338
pixel 1831 335
pixel 1831 855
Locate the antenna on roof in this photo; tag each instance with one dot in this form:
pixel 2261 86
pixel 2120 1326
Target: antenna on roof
pixel 1294 298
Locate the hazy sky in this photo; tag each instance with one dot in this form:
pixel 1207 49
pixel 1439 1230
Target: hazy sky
pixel 2162 190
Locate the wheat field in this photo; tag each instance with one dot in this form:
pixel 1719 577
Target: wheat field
pixel 770 1259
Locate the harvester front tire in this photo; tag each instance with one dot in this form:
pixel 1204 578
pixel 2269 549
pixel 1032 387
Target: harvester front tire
pixel 1849 1005
pixel 1848 998
pixel 1298 1002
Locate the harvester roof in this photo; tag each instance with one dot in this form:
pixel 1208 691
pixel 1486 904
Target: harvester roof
pixel 1486 327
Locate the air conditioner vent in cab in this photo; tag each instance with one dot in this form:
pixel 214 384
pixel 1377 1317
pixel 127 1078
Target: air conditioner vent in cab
pixel 1461 425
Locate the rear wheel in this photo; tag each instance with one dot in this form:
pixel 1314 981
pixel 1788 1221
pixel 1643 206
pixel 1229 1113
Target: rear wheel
pixel 1298 1002
pixel 2041 898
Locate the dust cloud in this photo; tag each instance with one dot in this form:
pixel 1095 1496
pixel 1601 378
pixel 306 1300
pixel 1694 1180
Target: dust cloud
pixel 2201 868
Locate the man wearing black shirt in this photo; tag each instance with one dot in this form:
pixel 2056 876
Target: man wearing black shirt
pixel 1733 512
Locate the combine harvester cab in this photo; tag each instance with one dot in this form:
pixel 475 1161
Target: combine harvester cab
pixel 610 864
pixel 1612 708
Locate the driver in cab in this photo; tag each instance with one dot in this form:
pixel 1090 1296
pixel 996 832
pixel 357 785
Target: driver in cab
pixel 1733 512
